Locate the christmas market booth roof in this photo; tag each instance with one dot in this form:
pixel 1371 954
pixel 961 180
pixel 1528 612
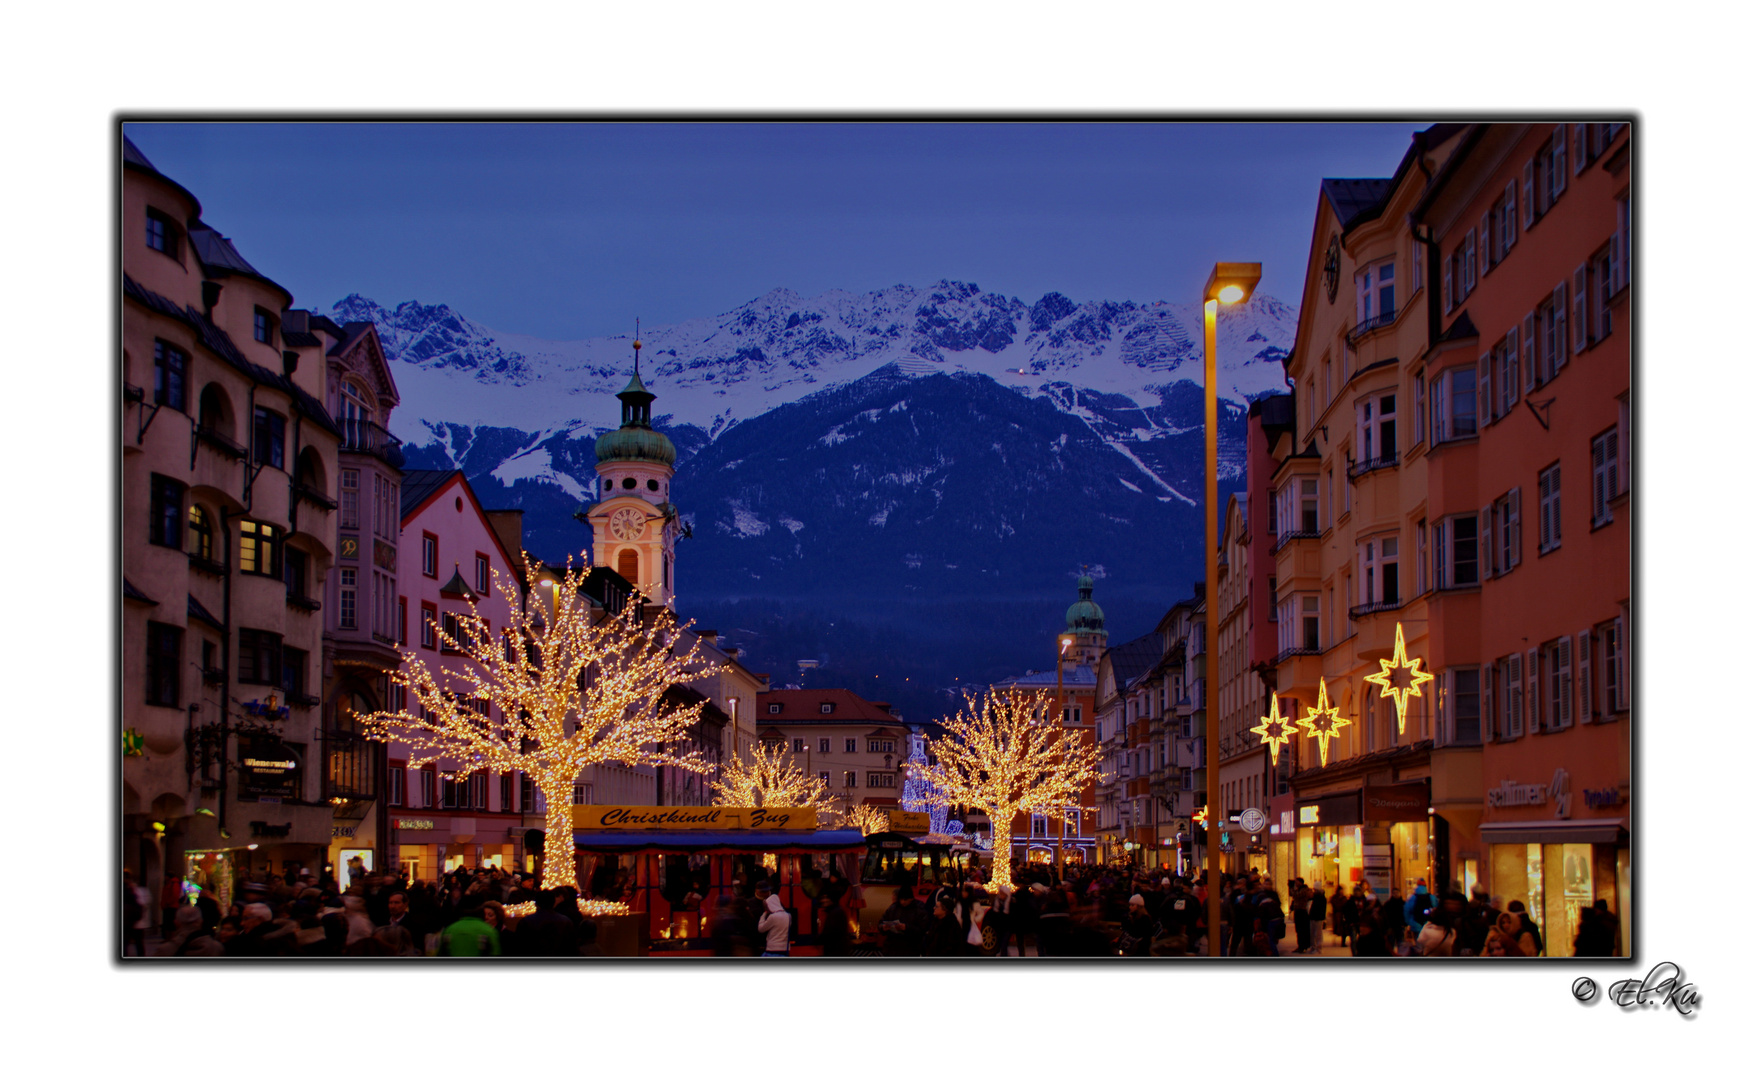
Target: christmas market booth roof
pixel 719 840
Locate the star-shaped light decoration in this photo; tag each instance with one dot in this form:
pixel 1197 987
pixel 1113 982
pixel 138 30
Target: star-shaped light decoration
pixel 1400 678
pixel 1323 722
pixel 1275 730
pixel 1199 817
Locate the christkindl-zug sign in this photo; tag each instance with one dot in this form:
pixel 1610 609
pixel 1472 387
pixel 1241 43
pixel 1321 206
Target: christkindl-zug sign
pixel 692 817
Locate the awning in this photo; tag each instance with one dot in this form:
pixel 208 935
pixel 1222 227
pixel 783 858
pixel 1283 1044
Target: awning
pixel 690 840
pixel 1592 831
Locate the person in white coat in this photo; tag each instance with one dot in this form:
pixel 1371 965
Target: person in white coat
pixel 775 922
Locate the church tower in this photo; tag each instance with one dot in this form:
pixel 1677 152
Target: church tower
pixel 634 525
pixel 1084 625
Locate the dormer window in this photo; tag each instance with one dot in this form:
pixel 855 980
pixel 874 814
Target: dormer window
pixel 775 709
pixel 827 707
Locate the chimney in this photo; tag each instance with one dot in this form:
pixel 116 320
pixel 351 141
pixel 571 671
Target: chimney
pixel 289 362
pixel 295 321
pixel 210 291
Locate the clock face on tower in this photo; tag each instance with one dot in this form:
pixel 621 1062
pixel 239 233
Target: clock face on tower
pixel 627 523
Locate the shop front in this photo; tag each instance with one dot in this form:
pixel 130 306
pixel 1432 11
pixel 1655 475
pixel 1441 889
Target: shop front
pixel 1329 839
pixel 1396 847
pixel 1559 847
pixel 1281 839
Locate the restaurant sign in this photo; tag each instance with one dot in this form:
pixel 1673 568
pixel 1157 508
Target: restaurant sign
pixel 789 818
pixel 909 821
pixel 1397 802
pixel 270 768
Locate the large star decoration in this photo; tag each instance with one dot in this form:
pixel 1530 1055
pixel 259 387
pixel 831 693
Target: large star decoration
pixel 1275 730
pixel 1199 816
pixel 1323 722
pixel 1400 678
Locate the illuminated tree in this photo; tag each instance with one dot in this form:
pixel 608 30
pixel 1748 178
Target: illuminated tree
pixel 1005 756
pixel 770 776
pixel 560 688
pixel 865 818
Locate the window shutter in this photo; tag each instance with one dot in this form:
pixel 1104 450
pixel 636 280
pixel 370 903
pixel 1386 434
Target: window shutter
pixel 1442 708
pixel 1515 526
pixel 1485 262
pixel 1622 670
pixel 1559 353
pixel 1485 550
pixel 1579 310
pixel 1487 706
pixel 1579 148
pixel 1509 216
pixel 1558 169
pixel 1511 364
pixel 1531 683
pixel 1512 695
pixel 1448 285
pixel 1562 682
pixel 1585 683
pixel 1483 398
pixel 1528 194
pixel 1471 271
pixel 1530 352
pixel 1598 480
pixel 1612 442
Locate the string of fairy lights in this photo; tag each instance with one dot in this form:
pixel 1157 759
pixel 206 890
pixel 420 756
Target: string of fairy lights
pixel 1001 758
pixel 577 688
pixel 770 776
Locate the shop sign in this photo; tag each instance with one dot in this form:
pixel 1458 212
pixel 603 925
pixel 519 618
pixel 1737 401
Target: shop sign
pixel 411 823
pixel 1397 802
pixel 1378 868
pixel 1557 792
pixel 1286 822
pixel 342 830
pixel 350 548
pixel 1253 820
pixel 1603 799
pixel 1308 815
pixel 384 555
pixel 263 830
pixel 270 768
pixel 1331 810
pixel 693 817
pixel 909 821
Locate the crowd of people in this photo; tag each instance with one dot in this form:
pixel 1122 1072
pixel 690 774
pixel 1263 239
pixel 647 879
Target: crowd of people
pixel 1088 911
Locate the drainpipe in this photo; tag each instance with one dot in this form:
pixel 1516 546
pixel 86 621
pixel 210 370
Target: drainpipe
pixel 1433 254
pixel 225 659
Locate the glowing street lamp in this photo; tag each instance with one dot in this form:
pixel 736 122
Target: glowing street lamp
pixel 1229 283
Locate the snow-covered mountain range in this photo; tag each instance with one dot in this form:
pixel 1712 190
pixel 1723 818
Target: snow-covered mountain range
pixel 905 457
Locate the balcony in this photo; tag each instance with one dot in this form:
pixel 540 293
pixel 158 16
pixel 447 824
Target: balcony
pixel 1370 465
pixel 1371 609
pixel 302 602
pixel 221 443
pixel 314 497
pixel 1285 538
pixel 1368 327
pixel 303 701
pixel 133 393
pixel 206 566
pixel 213 676
pixel 365 437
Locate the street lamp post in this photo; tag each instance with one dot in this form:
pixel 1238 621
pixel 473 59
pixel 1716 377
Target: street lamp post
pixel 1229 283
pixel 1065 641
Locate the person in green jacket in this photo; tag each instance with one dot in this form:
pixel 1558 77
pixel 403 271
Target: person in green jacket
pixel 470 935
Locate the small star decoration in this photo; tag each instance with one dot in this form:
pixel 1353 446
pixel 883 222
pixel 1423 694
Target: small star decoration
pixel 1400 678
pixel 1199 817
pixel 1275 730
pixel 1323 721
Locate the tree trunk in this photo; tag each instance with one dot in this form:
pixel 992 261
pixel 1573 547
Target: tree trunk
pixel 559 853
pixel 1000 851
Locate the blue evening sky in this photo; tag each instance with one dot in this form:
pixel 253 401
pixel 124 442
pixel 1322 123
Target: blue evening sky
pixel 569 230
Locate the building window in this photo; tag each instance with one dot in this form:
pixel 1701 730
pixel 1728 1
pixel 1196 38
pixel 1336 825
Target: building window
pixel 264 327
pixel 1464 706
pixel 1555 677
pixel 1597 283
pixel 297 564
pixel 824 777
pixel 1376 438
pixel 429 555
pixel 258 548
pixel 1457 551
pixel 1311 624
pixel 1452 406
pixel 1604 466
pixel 401 620
pixel 483 575
pixel 1378 568
pixel 1506 372
pixel 349 498
pixel 162 233
pixel 774 709
pixel 349 598
pixel 880 746
pixel 852 746
pixel 827 707
pixel 455 638
pixel 1550 535
pixel 1506 517
pixel 427 781
pixel 200 534
pixel 383 605
pixel 164 664
pixel 170 366
pixel 258 657
pixel 398 793
pixel 294 667
pixel 165 527
pixel 428 626
pixel 1310 507
pixel 851 779
pixel 1619 252
pixel 797 746
pixel 1375 294
pixel 270 438
pixel 1612 636
pixel 879 780
pixel 822 745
